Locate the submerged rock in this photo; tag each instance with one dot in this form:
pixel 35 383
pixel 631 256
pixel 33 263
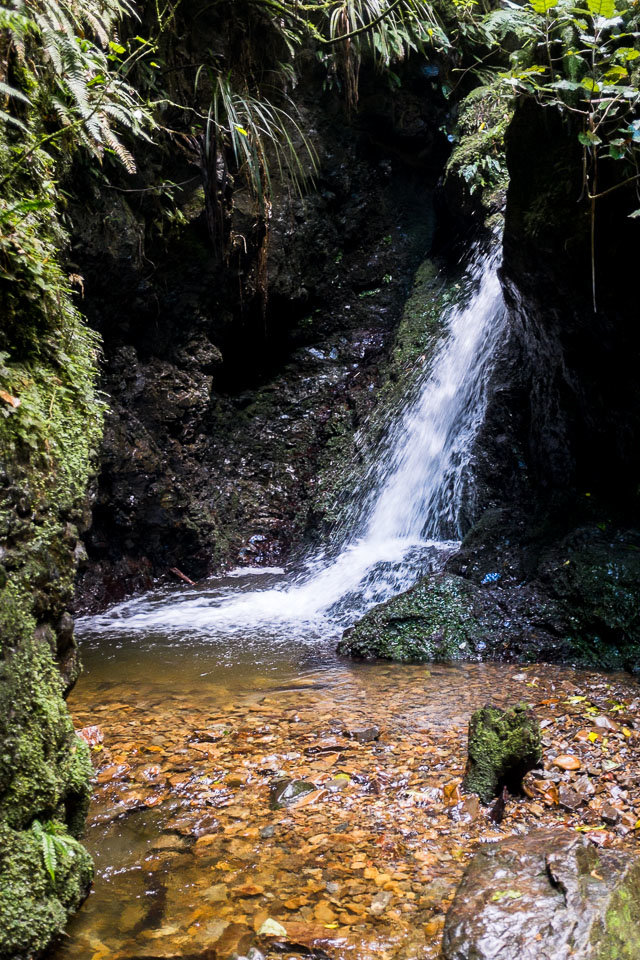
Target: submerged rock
pixel 284 793
pixel 547 896
pixel 364 734
pixel 503 746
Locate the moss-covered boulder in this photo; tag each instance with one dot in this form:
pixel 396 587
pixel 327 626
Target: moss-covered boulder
pixel 435 620
pixel 503 746
pixel 447 617
pixel 550 894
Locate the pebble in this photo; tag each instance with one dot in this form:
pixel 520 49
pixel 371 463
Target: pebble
pixel 364 734
pixel 610 814
pixel 567 762
pixel 380 903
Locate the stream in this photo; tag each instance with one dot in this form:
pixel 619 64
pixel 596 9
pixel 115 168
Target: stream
pixel 245 774
pixel 190 738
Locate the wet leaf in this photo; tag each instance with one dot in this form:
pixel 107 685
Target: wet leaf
pixel 506 895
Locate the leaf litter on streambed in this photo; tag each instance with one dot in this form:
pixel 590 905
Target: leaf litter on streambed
pixel 192 859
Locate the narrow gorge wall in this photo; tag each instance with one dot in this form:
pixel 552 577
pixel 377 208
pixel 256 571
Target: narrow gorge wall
pixel 49 433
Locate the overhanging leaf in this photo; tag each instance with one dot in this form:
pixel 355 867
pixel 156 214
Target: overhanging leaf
pixel 602 8
pixel 543 6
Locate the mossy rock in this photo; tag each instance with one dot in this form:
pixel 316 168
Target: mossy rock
pixel 435 620
pixel 503 746
pixel 49 434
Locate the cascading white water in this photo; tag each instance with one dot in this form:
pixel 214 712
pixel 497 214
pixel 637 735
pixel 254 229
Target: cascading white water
pixel 396 533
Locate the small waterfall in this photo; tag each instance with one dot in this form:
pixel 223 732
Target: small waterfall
pixel 407 524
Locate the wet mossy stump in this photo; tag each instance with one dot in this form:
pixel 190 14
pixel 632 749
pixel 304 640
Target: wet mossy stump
pixel 503 746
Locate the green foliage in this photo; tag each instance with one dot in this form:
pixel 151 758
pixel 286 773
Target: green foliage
pixel 382 31
pixel 64 90
pixel 583 62
pixel 478 156
pixel 54 842
pixel 64 74
pixel 254 130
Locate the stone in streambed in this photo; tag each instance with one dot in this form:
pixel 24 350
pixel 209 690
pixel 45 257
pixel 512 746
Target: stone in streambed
pixel 550 895
pixel 286 792
pixel 380 903
pixel 503 746
pixel 364 734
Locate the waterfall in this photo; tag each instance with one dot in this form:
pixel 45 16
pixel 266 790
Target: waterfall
pixel 407 524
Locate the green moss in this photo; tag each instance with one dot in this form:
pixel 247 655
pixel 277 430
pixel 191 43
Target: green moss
pixel 503 746
pixel 50 426
pixel 619 938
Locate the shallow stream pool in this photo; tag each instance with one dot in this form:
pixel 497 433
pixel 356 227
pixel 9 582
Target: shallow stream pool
pixel 197 735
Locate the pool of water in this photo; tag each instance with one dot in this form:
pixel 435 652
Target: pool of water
pixel 196 733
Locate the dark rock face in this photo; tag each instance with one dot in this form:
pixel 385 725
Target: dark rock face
pixel 503 746
pixel 550 567
pixel 220 411
pixel 558 458
pixel 547 896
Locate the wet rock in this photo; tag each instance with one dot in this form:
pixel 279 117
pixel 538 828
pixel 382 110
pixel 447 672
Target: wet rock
pixel 567 762
pixel 432 621
pixel 503 746
pixel 568 798
pixel 610 814
pixel 267 832
pixel 169 841
pixel 364 734
pixel 271 928
pixel 285 793
pixel 217 893
pixel 380 903
pixel 604 723
pixel 546 896
pixel 446 617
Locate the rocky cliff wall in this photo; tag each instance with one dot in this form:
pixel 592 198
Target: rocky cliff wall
pixel 223 399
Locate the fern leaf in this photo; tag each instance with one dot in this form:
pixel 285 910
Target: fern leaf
pixel 49 855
